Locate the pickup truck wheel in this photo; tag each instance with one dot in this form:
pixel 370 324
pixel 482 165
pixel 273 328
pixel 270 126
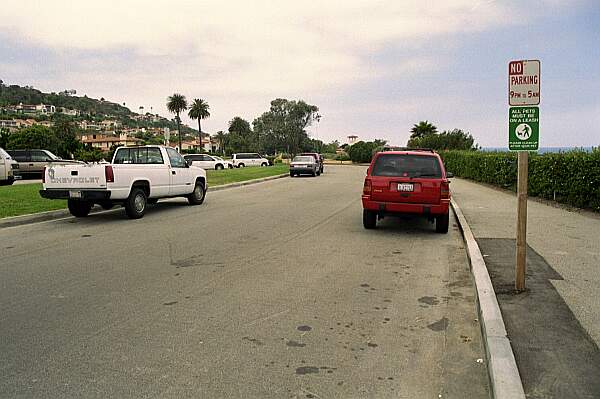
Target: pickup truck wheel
pixel 219 167
pixel 198 195
pixel 135 205
pixel 441 224
pixel 79 209
pixel 369 219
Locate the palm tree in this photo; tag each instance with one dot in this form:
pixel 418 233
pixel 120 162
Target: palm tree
pixel 199 110
pixel 220 136
pixel 421 129
pixel 176 104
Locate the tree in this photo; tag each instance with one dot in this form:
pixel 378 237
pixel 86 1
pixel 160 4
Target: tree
pixel 447 140
pixel 177 104
pixel 221 136
pixel 282 128
pixel 199 110
pixel 421 129
pixel 66 134
pixel 36 136
pixel 4 136
pixel 362 152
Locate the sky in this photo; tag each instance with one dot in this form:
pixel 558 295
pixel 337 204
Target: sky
pixel 374 68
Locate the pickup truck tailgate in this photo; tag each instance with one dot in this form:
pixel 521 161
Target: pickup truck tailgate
pixel 64 177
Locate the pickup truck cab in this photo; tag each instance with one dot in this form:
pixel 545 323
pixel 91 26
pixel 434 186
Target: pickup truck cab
pixel 137 176
pixel 9 169
pixel 408 182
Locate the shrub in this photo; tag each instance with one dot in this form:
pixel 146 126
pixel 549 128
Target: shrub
pixel 571 177
pixel 342 157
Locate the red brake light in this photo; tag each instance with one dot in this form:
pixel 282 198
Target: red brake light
pixel 445 190
pixel 367 187
pixel 44 175
pixel 109 174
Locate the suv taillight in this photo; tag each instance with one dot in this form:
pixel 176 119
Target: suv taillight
pixel 367 187
pixel 445 190
pixel 44 175
pixel 109 174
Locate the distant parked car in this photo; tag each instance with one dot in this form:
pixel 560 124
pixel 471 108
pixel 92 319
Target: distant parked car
pixel 242 160
pixel 304 165
pixel 410 182
pixel 207 162
pixel 318 157
pixel 33 162
pixel 9 169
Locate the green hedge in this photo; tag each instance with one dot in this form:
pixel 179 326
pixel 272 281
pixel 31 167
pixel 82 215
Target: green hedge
pixel 570 177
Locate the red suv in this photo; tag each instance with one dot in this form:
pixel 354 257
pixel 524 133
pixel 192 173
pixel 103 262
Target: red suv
pixel 406 182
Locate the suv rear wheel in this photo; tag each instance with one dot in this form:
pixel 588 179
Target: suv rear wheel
pixel 79 209
pixel 135 204
pixel 369 219
pixel 441 223
pixel 241 165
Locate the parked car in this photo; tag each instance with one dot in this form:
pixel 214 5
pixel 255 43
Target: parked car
pixel 242 160
pixel 318 157
pixel 304 164
pixel 33 162
pixel 407 182
pixel 9 169
pixel 137 176
pixel 206 161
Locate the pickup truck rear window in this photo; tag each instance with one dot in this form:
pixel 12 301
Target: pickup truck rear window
pixel 141 155
pixel 407 165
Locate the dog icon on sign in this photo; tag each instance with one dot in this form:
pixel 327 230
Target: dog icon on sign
pixel 523 131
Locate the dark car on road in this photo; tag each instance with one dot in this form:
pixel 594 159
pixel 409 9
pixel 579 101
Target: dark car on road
pixel 407 182
pixel 318 158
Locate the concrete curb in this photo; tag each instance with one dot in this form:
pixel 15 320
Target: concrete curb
pixel 502 368
pixel 63 213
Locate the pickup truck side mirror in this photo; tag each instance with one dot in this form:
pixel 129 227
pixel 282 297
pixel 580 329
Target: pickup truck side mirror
pixel 449 175
pixel 188 163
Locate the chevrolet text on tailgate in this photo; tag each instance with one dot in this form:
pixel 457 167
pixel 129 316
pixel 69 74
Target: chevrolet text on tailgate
pixel 137 176
pixel 411 182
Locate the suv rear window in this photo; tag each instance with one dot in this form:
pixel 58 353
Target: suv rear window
pixel 407 165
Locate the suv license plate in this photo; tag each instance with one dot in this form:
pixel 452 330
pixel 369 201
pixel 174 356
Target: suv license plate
pixel 405 187
pixel 74 194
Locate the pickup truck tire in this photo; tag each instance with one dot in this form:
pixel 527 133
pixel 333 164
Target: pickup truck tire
pixel 369 219
pixel 198 195
pixel 135 204
pixel 441 224
pixel 79 209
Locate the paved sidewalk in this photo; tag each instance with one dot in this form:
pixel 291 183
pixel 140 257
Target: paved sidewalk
pixel 554 327
pixel 568 241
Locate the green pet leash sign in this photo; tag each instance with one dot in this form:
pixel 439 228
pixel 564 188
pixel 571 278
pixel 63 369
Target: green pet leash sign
pixel 523 128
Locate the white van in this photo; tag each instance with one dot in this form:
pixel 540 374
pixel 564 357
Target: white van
pixel 248 159
pixel 9 169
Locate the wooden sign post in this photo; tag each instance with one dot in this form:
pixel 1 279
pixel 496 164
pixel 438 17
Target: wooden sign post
pixel 523 136
pixel 523 159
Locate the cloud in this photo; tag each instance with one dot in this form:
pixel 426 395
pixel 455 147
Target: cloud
pixel 241 54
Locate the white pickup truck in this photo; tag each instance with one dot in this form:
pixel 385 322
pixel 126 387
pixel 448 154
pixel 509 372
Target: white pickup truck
pixel 137 176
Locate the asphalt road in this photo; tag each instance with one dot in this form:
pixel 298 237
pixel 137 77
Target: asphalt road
pixel 268 291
